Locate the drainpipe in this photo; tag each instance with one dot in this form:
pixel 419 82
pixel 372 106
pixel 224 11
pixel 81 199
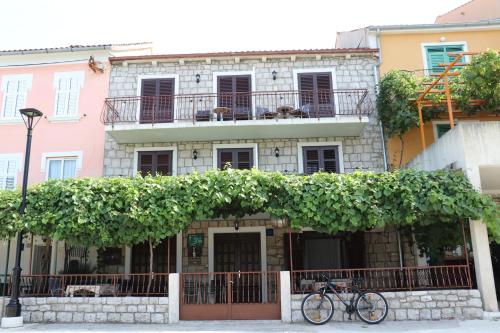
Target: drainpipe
pixel 376 70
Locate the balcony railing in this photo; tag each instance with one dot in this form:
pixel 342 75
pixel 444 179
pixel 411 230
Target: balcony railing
pixel 143 284
pixel 386 279
pixel 236 106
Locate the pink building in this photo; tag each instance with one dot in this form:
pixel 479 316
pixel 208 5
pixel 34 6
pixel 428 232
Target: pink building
pixel 68 85
pixel 69 89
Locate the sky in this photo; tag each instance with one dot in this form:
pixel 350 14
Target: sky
pixel 182 26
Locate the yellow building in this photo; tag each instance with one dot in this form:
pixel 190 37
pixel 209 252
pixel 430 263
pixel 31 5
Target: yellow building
pixel 420 48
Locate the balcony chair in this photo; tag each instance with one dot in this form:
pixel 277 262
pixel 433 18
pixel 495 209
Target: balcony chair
pixel 204 115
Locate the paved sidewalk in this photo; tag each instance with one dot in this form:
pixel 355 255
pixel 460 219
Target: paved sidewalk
pixel 450 326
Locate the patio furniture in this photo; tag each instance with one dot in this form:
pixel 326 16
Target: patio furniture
pixel 55 287
pixel 221 111
pixel 284 110
pixel 242 113
pixel 97 290
pixel 264 113
pixel 203 115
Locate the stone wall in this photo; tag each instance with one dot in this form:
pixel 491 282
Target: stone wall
pixel 363 153
pixel 274 244
pixel 360 152
pixel 353 73
pixel 382 249
pixel 415 305
pixel 95 309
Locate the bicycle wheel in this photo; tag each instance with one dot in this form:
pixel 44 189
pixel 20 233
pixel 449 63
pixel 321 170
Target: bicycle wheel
pixel 371 307
pixel 317 308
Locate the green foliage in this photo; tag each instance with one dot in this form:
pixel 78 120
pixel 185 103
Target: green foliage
pixel 482 78
pixel 107 212
pixel 395 110
pixel 479 80
pixel 435 239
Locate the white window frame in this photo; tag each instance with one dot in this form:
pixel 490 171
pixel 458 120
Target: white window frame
pixel 331 70
pixel 79 76
pixel 215 76
pixel 15 77
pixel 157 76
pixel 46 157
pixel 253 146
pixel 424 52
pixel 173 149
pixel 300 153
pixel 16 157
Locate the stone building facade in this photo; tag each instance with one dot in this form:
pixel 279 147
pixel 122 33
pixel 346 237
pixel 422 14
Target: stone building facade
pixel 362 150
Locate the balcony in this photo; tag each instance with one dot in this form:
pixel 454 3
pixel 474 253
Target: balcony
pixel 277 114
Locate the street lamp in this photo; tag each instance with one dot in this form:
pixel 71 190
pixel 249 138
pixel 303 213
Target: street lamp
pixel 13 308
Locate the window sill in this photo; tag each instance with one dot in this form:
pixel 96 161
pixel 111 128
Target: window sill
pixel 64 119
pixel 8 121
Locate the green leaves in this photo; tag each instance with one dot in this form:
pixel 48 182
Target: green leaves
pixel 125 211
pixel 478 81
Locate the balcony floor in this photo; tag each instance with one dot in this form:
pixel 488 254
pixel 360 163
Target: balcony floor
pixel 241 129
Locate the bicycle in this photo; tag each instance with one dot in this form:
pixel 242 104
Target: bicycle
pixel 370 306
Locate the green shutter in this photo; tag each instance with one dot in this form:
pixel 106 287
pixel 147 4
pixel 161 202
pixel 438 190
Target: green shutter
pixel 439 55
pixel 442 128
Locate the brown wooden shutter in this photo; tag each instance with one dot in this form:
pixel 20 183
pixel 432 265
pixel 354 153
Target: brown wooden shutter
pixel 320 159
pixel 241 158
pixel 157 102
pixel 315 91
pixel 225 91
pixel 148 99
pixel 330 159
pixel 155 163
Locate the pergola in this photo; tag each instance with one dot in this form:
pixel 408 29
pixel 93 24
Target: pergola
pixel 441 85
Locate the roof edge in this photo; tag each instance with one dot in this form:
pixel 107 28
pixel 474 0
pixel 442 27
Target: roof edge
pixel 425 26
pixel 241 54
pixel 72 48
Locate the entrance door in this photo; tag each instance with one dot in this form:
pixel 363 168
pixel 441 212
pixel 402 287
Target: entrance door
pixel 238 289
pixel 237 252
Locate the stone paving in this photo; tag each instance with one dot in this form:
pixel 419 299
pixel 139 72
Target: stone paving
pixel 444 326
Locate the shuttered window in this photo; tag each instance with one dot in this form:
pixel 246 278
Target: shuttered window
pixel 234 93
pixel 240 158
pixel 316 93
pixel 323 159
pixel 67 87
pixel 157 100
pixel 437 55
pixel 8 173
pixel 15 90
pixel 155 163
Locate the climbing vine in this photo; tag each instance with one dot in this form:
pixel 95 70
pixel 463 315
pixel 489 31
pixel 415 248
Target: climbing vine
pixel 478 81
pixel 125 211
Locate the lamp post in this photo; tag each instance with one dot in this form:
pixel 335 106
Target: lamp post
pixel 13 308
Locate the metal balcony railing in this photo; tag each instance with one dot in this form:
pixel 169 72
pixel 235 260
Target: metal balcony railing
pixel 236 106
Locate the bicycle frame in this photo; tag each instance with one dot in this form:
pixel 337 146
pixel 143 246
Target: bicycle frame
pixel 348 305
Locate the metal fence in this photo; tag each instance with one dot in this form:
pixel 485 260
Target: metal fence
pixel 93 285
pixel 236 106
pixel 385 279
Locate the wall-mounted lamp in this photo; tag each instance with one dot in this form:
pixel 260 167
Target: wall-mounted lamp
pixel 195 154
pixel 197 78
pixel 236 224
pixel 277 152
pixel 96 66
pixel 275 74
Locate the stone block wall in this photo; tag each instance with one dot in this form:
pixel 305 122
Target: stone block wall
pixel 363 153
pixel 360 152
pixel 382 249
pixel 274 244
pixel 354 73
pixel 148 310
pixel 415 305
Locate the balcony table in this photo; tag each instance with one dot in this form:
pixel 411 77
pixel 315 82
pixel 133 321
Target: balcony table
pixel 285 110
pixel 221 111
